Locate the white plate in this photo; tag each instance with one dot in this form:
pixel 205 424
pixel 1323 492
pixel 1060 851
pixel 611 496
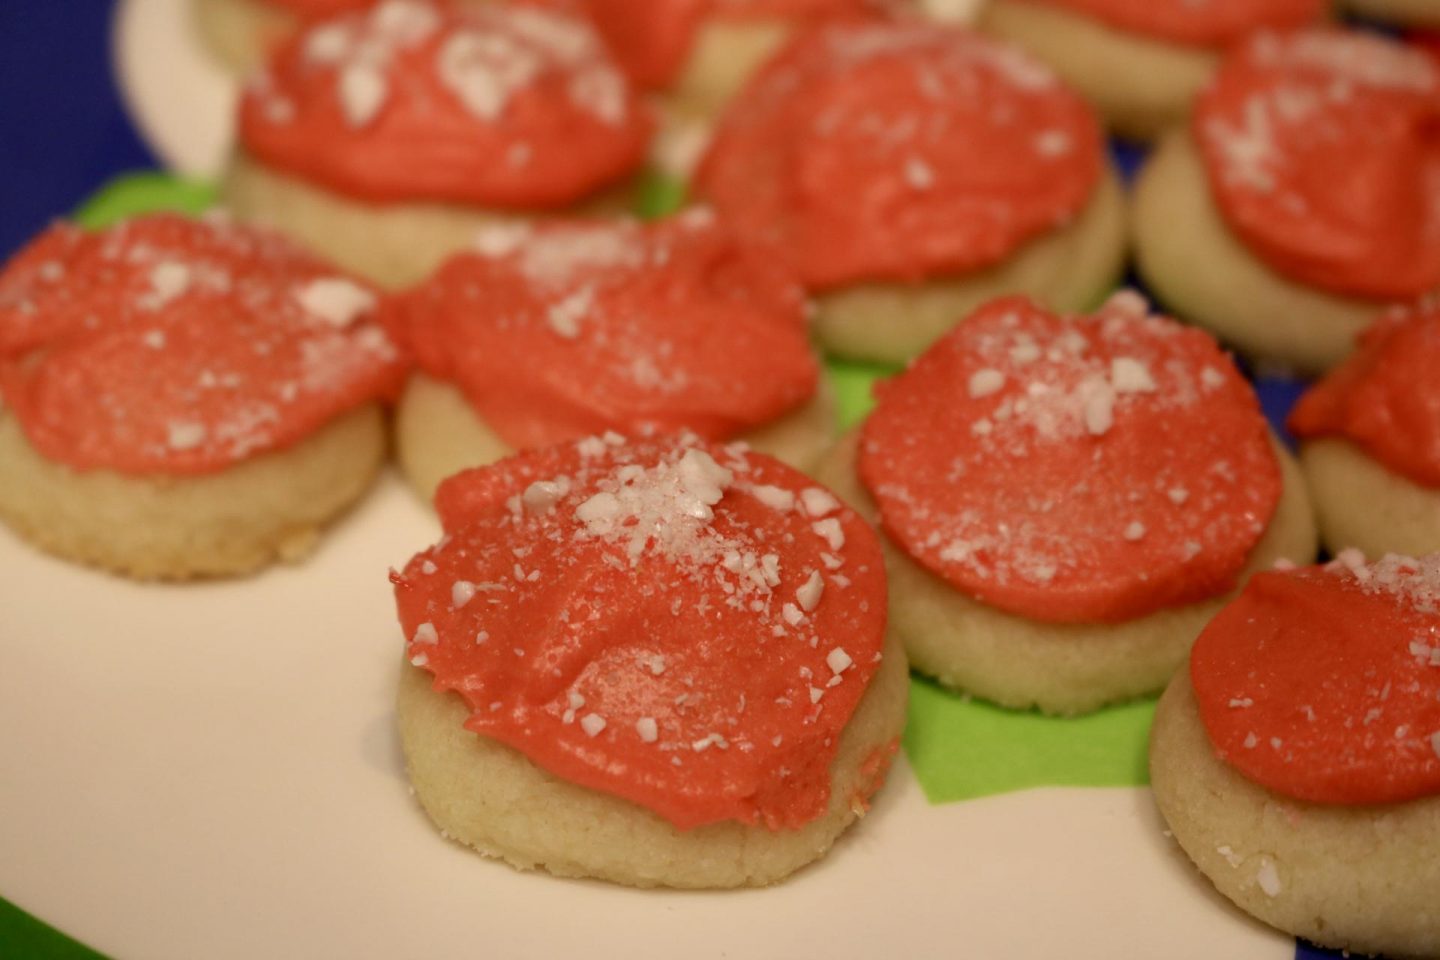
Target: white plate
pixel 212 771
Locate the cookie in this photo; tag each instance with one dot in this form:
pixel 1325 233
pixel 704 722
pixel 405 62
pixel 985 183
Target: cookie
pixel 659 663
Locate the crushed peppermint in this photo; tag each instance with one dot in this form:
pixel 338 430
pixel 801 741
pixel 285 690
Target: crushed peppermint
pixel 337 301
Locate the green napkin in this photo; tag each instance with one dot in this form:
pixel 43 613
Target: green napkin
pixel 21 935
pixel 132 194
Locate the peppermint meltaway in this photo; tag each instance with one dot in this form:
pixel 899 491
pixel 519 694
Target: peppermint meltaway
pixel 1304 183
pixel 1066 500
pixel 684 630
pixel 185 398
pixel 908 172
pixel 1297 760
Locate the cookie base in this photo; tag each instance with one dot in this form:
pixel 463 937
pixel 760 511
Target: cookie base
pixel 1361 503
pixel 394 245
pixel 724 56
pixel 1361 879
pixel 438 433
pixel 153 527
pixel 1070 269
pixel 1196 266
pixel 1058 668
pixel 238 33
pixel 489 796
pixel 1141 86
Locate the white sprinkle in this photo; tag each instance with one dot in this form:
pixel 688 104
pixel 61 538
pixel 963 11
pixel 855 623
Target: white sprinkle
pixel 985 382
pixel 1269 878
pixel 419 660
pixel 590 447
pixel 815 694
pixel 184 435
pixel 831 531
pixel 543 494
pixel 335 300
pixel 500 239
pixel 168 280
pixel 1178 495
pixel 154 339
pixel 838 660
pixel 427 567
pixel 710 740
pixel 809 594
pixel 1052 143
pixel 648 729
pixel 792 614
pixel 1211 377
pixel 1100 412
pixel 1231 857
pixel 776 498
pixel 1135 531
pixel 592 724
pixel 1129 375
pixel 461 593
pixel 362 90
pixel 425 633
pixel 657 665
pixel 564 317
pixel 1240 703
pixel 1251 741
pixel 918 174
pixel 818 502
pixel 599 508
pixel 481 637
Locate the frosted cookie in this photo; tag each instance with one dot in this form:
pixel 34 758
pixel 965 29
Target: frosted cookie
pixel 1370 440
pixel 1065 501
pixel 1305 185
pixel 386 139
pixel 568 330
pixel 1140 62
pixel 1297 761
pixel 909 172
pixel 658 663
pixel 185 398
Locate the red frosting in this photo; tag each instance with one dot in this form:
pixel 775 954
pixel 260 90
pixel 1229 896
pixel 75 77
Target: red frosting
pixel 684 626
pixel 572 329
pixel 502 106
pixel 653 40
pixel 1198 23
pixel 1323 155
pixel 1323 683
pixel 1073 469
pixel 178 346
pixel 900 152
pixel 1385 397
